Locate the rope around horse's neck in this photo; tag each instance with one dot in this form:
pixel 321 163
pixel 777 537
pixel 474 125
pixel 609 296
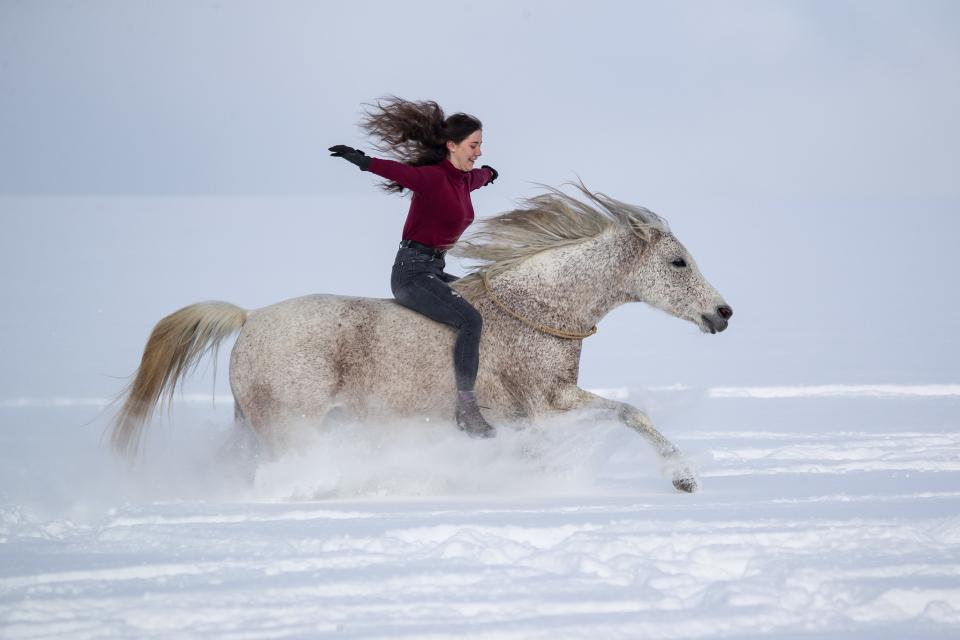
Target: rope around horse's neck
pixel 530 323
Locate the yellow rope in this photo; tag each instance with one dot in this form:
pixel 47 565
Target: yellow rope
pixel 530 323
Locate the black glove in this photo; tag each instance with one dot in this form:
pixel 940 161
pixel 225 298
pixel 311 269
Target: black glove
pixel 493 171
pixel 350 154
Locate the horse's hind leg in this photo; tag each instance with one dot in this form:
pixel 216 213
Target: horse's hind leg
pixel 282 421
pixel 240 454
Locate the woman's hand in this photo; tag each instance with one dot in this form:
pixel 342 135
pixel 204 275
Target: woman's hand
pixel 350 154
pixel 493 171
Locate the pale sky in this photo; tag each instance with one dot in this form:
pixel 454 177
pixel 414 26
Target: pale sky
pixel 154 154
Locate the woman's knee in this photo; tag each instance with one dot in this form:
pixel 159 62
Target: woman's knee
pixel 472 320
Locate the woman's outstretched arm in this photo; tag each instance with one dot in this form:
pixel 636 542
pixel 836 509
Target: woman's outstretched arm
pixel 412 178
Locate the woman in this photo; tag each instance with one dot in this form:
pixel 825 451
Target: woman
pixel 438 156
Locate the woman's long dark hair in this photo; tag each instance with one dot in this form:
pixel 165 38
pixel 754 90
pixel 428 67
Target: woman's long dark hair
pixel 415 133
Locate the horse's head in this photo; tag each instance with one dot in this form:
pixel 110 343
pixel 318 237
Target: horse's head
pixel 668 278
pixel 662 272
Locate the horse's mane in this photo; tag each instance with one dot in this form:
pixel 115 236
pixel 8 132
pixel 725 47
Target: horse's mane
pixel 546 221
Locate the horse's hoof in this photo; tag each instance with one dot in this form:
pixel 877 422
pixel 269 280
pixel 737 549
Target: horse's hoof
pixel 686 484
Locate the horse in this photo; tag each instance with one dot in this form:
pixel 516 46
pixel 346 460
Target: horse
pixel 546 273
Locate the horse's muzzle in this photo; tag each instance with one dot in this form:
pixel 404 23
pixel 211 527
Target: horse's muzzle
pixel 718 320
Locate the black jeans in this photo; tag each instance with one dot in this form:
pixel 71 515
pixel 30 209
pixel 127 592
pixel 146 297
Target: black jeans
pixel 419 283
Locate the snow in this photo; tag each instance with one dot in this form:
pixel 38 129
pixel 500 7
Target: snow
pixel 836 390
pixel 822 515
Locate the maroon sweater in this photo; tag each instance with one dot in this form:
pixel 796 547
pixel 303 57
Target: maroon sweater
pixel 441 209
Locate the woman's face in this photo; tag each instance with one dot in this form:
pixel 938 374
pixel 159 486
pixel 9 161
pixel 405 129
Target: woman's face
pixel 463 155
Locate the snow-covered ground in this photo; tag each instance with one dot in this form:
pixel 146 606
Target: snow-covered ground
pixel 825 512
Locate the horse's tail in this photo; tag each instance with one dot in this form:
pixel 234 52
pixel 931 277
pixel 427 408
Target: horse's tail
pixel 176 345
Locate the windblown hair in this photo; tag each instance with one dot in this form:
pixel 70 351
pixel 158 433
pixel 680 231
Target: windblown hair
pixel 415 133
pixel 549 220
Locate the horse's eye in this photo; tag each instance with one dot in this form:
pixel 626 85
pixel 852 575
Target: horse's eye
pixel 679 263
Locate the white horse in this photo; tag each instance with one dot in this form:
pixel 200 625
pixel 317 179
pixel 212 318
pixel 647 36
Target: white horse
pixel 549 272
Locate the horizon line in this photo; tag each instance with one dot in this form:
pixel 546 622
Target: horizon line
pixel 613 393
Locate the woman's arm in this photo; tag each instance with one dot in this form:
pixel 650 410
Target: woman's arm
pixel 482 177
pixel 413 178
pixel 409 177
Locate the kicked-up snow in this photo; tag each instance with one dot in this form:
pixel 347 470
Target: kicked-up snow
pixel 827 515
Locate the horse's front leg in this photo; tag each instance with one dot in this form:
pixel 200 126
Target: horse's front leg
pixel 672 461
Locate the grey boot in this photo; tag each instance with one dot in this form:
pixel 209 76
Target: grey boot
pixel 469 418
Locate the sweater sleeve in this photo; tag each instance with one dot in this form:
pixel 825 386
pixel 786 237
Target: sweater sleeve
pixel 479 178
pixel 412 178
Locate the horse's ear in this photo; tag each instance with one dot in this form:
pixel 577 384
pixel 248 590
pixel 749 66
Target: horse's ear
pixel 652 235
pixel 648 237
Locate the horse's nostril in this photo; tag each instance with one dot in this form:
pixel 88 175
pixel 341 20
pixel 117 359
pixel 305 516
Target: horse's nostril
pixel 724 312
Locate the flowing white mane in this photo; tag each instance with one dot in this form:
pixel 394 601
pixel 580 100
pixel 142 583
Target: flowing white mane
pixel 549 220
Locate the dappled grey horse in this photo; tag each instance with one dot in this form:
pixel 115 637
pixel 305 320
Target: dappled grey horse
pixel 548 272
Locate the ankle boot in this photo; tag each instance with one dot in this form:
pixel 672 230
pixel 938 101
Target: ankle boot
pixel 469 418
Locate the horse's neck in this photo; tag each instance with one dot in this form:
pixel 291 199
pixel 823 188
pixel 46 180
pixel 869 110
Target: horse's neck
pixel 572 287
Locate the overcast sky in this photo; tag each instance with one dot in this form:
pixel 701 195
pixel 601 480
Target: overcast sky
pixel 154 154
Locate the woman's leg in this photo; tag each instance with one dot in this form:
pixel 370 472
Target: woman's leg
pixel 426 293
pixel 418 284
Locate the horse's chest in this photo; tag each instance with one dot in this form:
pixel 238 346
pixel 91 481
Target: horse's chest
pixel 529 373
